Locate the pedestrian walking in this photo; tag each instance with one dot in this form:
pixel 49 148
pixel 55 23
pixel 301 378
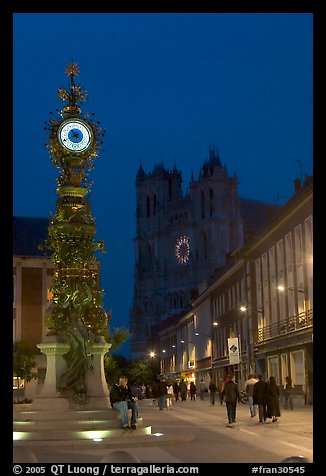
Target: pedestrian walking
pixel 220 390
pixel 273 399
pixel 259 397
pixel 162 392
pixel 287 391
pixel 192 391
pixel 169 396
pixel 183 390
pixel 176 390
pixel 202 388
pixel 148 391
pixel 212 391
pixel 249 387
pixel 231 396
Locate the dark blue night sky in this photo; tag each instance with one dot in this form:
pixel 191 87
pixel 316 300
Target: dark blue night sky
pixel 166 87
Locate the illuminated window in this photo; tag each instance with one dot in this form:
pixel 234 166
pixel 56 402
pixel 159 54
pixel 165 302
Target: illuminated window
pixel 49 294
pixel 17 383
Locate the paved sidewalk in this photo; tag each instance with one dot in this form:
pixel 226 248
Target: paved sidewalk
pixel 184 430
pixel 290 420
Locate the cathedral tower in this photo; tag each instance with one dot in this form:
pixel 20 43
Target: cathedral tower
pixel 181 239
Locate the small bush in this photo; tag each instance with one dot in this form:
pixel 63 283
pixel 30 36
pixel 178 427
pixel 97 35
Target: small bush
pixel 25 400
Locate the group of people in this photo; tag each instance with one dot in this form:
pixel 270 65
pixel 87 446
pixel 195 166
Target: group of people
pixel 181 390
pixel 212 389
pixel 266 395
pixel 122 400
pixel 166 392
pixel 261 394
pixel 165 395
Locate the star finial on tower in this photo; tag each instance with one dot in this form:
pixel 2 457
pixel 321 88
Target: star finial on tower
pixel 72 70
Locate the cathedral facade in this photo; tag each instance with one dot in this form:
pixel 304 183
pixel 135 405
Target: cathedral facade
pixel 181 241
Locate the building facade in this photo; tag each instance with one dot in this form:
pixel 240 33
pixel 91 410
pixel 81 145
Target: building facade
pixel 279 273
pixel 264 300
pixel 32 279
pixel 32 295
pixel 181 240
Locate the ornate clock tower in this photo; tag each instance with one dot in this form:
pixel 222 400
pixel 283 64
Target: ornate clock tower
pixel 76 321
pixel 76 316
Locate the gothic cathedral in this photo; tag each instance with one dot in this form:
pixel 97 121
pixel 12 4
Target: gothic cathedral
pixel 181 240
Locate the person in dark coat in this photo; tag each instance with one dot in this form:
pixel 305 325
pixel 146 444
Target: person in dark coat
pixel 231 395
pixel 212 391
pixel 162 392
pixel 192 391
pixel 183 390
pixel 176 390
pixel 259 397
pixel 132 404
pixel 220 389
pixel 273 399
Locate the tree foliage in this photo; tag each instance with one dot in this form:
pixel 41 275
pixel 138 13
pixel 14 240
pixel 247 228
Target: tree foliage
pixel 141 372
pixel 118 337
pixel 24 361
pixel 114 367
pixel 138 372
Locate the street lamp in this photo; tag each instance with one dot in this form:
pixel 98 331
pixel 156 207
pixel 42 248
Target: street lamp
pixel 290 288
pixel 250 363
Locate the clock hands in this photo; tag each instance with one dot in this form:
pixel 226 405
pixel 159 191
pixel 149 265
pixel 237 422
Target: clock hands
pixel 75 136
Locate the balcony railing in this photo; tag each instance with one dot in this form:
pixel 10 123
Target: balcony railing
pixel 291 324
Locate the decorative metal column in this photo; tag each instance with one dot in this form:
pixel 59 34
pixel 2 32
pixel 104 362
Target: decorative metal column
pixel 76 315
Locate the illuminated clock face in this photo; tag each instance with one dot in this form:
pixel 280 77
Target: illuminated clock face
pixel 182 249
pixel 75 135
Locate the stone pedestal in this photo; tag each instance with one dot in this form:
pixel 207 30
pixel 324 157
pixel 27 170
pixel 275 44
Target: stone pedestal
pixel 50 398
pixel 52 417
pixel 95 379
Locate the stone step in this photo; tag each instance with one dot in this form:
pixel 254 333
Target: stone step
pixel 124 439
pixel 79 425
pixel 79 435
pixel 67 424
pixel 108 414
